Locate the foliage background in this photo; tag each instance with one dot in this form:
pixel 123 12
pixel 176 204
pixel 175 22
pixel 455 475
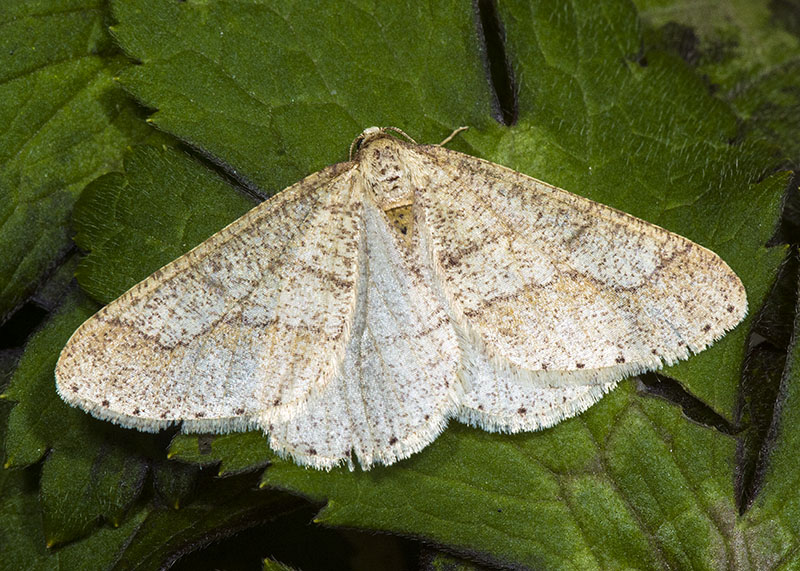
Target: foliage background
pixel 139 127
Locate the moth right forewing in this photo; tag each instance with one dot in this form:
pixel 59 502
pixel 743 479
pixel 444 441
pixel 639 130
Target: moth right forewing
pixel 564 287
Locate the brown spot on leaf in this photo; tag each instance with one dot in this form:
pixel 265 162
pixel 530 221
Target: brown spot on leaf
pixel 620 359
pixel 392 440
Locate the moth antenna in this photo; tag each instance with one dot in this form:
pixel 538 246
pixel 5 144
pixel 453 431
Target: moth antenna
pixel 354 144
pixel 399 132
pixel 452 136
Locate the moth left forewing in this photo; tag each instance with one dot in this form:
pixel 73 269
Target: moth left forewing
pixel 243 327
pixel 560 287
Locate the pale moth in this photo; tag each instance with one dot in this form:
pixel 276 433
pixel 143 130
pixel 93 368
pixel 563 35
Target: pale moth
pixel 356 312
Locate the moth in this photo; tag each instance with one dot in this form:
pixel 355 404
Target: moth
pixel 352 315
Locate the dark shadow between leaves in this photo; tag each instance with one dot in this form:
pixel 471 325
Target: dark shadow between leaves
pixel 500 75
pixel 669 389
pixel 762 392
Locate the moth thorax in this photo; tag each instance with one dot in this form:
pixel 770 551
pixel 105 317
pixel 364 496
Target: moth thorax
pixel 387 173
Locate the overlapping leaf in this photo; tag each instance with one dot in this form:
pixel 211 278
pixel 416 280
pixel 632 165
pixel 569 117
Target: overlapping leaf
pixel 62 123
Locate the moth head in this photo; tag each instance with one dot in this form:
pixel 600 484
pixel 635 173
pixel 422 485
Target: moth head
pixel 386 166
pixel 371 133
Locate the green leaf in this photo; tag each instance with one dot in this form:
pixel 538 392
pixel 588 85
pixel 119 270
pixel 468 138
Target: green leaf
pixel 271 565
pixel 749 50
pixel 107 479
pixel 23 544
pixel 63 123
pixel 270 94
pixel 297 82
pixel 40 415
pixel 233 452
pixel 149 538
pixel 89 475
pixel 131 226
